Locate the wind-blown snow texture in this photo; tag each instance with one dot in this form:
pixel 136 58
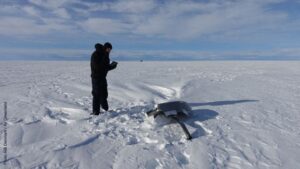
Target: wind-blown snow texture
pixel 245 115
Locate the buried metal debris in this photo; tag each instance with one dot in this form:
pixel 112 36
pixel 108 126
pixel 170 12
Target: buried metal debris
pixel 175 110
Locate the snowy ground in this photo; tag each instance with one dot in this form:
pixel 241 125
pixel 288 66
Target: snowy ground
pixel 245 115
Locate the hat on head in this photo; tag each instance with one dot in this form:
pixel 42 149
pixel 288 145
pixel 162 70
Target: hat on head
pixel 107 45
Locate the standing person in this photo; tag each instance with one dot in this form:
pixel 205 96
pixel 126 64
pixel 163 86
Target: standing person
pixel 100 65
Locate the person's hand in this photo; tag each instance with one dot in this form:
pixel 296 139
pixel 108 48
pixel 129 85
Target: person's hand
pixel 114 64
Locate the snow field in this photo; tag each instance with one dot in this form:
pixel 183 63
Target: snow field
pixel 245 115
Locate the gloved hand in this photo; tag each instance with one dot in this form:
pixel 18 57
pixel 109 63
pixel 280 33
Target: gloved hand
pixel 114 64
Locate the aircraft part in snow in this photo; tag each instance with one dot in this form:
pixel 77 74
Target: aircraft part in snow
pixel 175 110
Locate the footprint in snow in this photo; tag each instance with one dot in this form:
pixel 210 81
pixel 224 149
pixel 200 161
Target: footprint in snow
pixel 65 115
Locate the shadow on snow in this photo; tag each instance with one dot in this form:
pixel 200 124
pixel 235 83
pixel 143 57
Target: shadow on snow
pixel 200 115
pixel 221 103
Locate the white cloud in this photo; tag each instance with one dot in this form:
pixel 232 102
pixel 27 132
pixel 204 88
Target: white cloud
pixel 16 26
pixel 133 6
pixel 32 11
pixel 8 9
pixel 149 21
pixel 62 13
pixel 194 20
pixel 56 7
pixel 105 26
pixel 15 53
pixel 179 19
pixel 19 27
pixel 35 19
pixel 280 53
pixel 50 4
pixel 283 53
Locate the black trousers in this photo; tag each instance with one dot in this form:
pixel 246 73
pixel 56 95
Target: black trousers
pixel 100 94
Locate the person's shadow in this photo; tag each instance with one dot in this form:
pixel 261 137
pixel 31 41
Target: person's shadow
pixel 200 115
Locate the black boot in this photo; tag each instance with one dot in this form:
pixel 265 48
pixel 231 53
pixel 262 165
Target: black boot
pixel 96 113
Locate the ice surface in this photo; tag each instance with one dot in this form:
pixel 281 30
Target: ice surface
pixel 245 115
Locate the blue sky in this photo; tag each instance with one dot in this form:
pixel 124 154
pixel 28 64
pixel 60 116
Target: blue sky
pixel 150 29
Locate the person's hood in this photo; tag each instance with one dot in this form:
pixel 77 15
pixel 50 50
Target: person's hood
pixel 98 46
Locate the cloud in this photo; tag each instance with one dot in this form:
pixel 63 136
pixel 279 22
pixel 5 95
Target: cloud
pixel 156 22
pixel 29 20
pixel 62 13
pixel 192 20
pixel 16 26
pixel 188 20
pixel 105 26
pixel 32 11
pixel 20 27
pixel 84 54
pixel 179 20
pixel 273 54
pixel 50 4
pixel 133 6
pixel 45 54
pixel 57 7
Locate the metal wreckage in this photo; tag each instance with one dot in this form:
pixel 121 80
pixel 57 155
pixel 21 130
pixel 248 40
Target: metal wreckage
pixel 175 110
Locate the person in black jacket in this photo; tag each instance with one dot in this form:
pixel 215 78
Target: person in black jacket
pixel 100 65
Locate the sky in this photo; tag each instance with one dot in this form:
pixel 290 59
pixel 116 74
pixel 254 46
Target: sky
pixel 150 29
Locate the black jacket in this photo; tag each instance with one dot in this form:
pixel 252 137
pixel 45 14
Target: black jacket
pixel 100 63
